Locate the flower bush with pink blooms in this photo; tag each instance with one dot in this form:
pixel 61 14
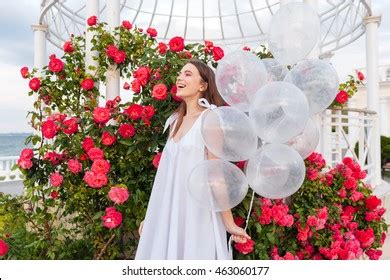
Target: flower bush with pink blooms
pixel 334 215
pixel 89 176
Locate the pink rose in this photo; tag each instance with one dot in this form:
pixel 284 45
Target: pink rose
pixel 108 139
pixel 87 84
pixel 112 219
pixel 136 86
pixel 26 153
pixel 34 84
pixel 119 57
pixel 95 153
pixel 49 129
pixel 245 248
pixel 25 163
pixel 101 115
pixel 118 195
pixel 100 166
pixel 74 166
pixel 95 180
pixel 56 179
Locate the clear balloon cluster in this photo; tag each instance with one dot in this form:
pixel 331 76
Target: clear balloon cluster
pixel 269 121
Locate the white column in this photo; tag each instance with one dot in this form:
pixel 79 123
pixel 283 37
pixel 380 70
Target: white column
pixel 113 75
pixel 92 9
pixel 39 45
pixel 385 113
pixel 372 24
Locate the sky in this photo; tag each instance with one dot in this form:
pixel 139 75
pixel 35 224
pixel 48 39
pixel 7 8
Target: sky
pixel 16 51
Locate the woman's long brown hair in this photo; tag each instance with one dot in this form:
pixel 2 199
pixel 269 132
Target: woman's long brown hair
pixel 211 93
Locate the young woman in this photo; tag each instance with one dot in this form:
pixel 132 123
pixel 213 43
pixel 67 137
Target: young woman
pixel 175 227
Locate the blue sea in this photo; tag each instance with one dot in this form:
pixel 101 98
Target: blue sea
pixel 12 143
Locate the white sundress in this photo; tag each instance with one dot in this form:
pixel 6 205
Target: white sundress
pixel 175 227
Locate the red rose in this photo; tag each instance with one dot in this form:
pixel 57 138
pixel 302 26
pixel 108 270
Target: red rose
pixel 126 24
pixel 208 44
pixel 91 21
pixel 49 129
pixel 176 44
pixel 108 139
pixel 148 112
pixel 246 48
pixel 95 154
pixel 136 86
pixel 156 160
pixel 126 130
pixel 55 64
pixel 239 221
pixel 311 174
pixel 162 48
pixel 118 195
pixel 70 126
pixel 119 57
pixel 83 157
pixel 56 179
pixel 365 237
pixel 174 92
pixel 101 115
pixel 26 153
pixel 372 202
pixel 111 51
pixel 100 166
pixel 112 219
pixel 142 74
pixel 87 144
pixel 218 53
pixel 34 84
pixel 54 194
pixel 134 111
pixel 25 163
pixel 245 248
pixel 342 97
pixel 87 84
pixel 360 76
pixel 126 86
pixel 152 32
pixel 160 92
pixel 350 183
pixel 3 248
pixel 53 157
pixel 68 47
pixel 24 72
pixel 74 166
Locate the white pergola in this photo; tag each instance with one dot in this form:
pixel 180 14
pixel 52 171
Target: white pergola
pixel 229 23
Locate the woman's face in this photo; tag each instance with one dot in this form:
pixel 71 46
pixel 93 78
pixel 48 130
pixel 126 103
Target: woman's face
pixel 189 82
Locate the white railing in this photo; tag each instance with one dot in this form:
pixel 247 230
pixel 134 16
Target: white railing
pixel 347 132
pixel 6 174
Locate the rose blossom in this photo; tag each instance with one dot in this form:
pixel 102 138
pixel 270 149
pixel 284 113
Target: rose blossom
pixel 55 64
pixel 118 195
pixel 68 47
pixel 119 57
pixel 311 174
pixel 372 202
pixel 126 86
pixel 162 48
pixel 136 86
pixel 126 24
pixel 112 219
pixel 152 32
pixel 101 115
pixel 156 160
pixel 360 76
pixel 95 153
pixel 342 97
pixel 91 21
pixel 56 179
pixel 3 248
pixel 24 72
pixel 142 74
pixel 87 143
pixel 100 166
pixel 148 112
pixel 25 163
pixel 245 248
pixel 54 194
pixel 126 130
pixel 218 53
pixel 239 221
pixel 34 84
pixel 74 166
pixel 176 44
pixel 134 111
pixel 87 84
pixel 108 139
pixel 70 126
pixel 26 153
pixel 49 129
pixel 95 180
pixel 160 92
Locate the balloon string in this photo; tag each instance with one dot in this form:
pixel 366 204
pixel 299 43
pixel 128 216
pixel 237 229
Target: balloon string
pixel 230 249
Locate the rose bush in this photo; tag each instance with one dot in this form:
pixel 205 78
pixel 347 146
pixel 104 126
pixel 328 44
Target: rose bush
pixel 347 90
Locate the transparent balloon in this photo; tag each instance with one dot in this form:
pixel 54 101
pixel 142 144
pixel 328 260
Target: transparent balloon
pixel 276 171
pixel 228 134
pixel 279 112
pixel 293 33
pixel 318 80
pixel 217 185
pixel 275 70
pixel 306 142
pixel 238 76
